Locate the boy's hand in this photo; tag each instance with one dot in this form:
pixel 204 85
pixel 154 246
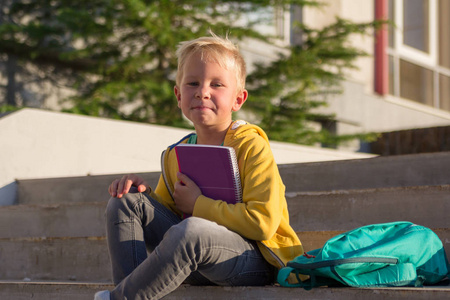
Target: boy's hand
pixel 186 194
pixel 120 187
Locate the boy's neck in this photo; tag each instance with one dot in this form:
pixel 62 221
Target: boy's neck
pixel 211 136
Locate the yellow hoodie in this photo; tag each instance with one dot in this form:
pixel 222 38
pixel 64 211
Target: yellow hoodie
pixel 262 216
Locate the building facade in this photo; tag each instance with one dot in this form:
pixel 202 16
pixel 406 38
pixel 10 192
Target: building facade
pixel 404 82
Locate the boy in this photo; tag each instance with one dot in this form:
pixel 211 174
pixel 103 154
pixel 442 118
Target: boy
pixel 221 244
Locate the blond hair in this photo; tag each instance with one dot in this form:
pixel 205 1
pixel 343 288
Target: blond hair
pixel 213 49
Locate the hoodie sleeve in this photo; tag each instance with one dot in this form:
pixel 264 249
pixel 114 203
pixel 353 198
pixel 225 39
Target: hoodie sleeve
pixel 259 215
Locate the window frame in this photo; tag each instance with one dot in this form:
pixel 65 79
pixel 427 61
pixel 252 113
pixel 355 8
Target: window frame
pixel 430 61
pixel 408 51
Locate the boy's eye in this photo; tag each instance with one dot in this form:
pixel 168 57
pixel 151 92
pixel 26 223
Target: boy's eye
pixel 192 83
pixel 217 84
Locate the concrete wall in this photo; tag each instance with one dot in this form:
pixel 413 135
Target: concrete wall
pixel 369 112
pixel 357 111
pixel 42 144
pixel 425 140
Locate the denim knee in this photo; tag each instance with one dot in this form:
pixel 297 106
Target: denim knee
pixel 196 233
pixel 192 229
pixel 121 208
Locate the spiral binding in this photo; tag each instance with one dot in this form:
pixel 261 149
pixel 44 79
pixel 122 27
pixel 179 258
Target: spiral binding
pixel 237 176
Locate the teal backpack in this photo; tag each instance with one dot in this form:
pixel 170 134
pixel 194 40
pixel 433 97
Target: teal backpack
pixel 379 255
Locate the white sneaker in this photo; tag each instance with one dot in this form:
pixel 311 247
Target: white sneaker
pixel 103 295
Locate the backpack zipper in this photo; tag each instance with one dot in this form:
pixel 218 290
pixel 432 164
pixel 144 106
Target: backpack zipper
pixel 336 262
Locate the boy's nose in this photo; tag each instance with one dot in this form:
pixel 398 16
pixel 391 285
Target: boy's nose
pixel 203 92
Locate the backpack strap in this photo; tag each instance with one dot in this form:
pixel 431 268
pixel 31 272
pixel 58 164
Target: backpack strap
pixel 283 275
pixel 313 281
pixel 185 137
pixel 407 274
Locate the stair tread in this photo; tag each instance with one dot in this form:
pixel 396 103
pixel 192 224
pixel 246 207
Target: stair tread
pixel 86 290
pixel 391 171
pixel 59 258
pixel 338 210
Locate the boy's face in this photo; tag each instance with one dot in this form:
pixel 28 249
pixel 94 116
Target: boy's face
pixel 207 94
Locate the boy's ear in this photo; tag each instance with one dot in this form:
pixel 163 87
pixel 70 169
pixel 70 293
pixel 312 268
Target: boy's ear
pixel 241 97
pixel 177 94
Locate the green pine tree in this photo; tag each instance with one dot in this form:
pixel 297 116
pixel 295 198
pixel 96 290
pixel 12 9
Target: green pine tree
pixel 287 93
pixel 118 55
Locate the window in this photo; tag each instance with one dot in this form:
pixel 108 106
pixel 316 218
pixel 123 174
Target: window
pixel 444 33
pixel 416 25
pixel 419 51
pixel 444 92
pixel 416 83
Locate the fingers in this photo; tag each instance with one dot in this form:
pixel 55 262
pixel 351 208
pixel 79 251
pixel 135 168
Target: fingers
pixel 140 184
pixel 120 187
pixel 185 193
pixel 112 189
pixel 124 186
pixel 141 188
pixel 184 179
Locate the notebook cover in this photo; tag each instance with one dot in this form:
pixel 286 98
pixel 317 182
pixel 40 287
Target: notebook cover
pixel 212 169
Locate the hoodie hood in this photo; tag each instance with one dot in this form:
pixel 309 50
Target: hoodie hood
pixel 239 129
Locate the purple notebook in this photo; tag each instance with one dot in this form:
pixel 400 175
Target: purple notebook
pixel 213 168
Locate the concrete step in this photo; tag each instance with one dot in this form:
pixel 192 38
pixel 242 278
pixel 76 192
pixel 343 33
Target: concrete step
pixel 344 210
pixel 71 189
pixel 309 211
pixel 53 220
pixel 66 259
pixel 86 291
pixel 379 172
pixel 87 259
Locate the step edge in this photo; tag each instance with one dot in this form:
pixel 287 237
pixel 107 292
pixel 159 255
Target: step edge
pixel 186 286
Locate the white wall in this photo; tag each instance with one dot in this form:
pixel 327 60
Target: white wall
pixel 41 144
pixel 358 11
pixel 370 112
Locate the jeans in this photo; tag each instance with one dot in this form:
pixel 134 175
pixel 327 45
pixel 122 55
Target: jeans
pixel 153 251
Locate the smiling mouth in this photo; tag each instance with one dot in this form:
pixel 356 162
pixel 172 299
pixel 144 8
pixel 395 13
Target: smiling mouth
pixel 201 108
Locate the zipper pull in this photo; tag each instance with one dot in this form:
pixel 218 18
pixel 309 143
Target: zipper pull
pixel 308 256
